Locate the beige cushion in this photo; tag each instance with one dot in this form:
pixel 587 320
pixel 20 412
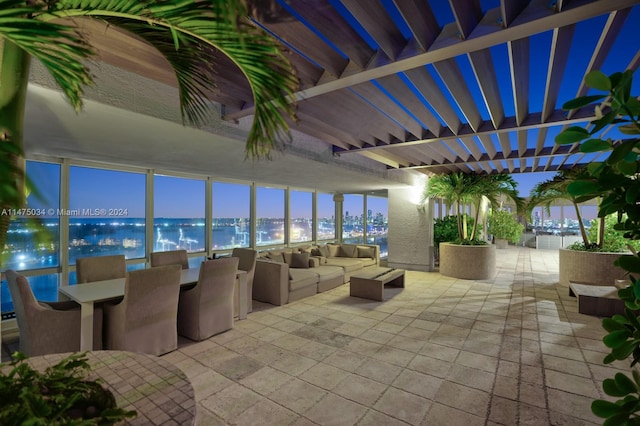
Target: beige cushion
pixel 305 249
pixel 287 257
pixel 299 260
pixel 276 257
pixel 300 278
pixel 324 251
pixel 366 251
pixel 348 250
pixel 334 250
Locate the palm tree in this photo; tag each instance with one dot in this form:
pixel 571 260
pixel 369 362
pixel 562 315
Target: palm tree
pixel 551 191
pixel 460 188
pixel 185 32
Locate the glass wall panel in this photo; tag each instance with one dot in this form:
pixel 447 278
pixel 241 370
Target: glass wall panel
pixel 106 213
pixel 326 217
pixel 28 246
pixel 34 233
pixel 231 215
pixel 179 210
pixel 353 219
pixel 269 216
pixel 377 223
pixel 301 212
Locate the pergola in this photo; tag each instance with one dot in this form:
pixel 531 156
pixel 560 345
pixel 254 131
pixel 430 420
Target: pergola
pixel 402 83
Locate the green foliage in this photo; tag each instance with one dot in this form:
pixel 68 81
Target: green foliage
pixel 614 240
pixel 616 181
pixel 445 230
pixel 503 225
pixel 62 394
pixel 459 189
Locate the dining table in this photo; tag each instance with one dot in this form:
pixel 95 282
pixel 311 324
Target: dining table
pixel 88 294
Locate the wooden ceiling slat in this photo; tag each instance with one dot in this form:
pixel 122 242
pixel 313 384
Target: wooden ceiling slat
pixel 505 143
pixel 470 143
pixel 377 22
pixel 485 72
pixel 451 75
pixel 610 32
pixel 510 9
pixel 398 158
pixel 487 142
pixel 389 107
pixel 326 20
pixel 522 142
pixel 457 147
pixel 394 85
pixel 519 67
pixel 420 19
pixel 560 46
pixel 428 88
pixel 298 35
pixel 381 158
pixel 467 14
pixel 346 138
pixel 441 149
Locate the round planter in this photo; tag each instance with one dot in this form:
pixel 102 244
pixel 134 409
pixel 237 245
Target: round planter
pixel 468 262
pixel 501 243
pixel 589 267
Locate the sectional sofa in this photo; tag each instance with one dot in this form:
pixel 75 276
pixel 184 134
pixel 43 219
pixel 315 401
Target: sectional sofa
pixel 286 275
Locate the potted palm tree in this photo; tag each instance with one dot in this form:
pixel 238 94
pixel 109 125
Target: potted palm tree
pixel 505 228
pixel 469 257
pixel 588 262
pixel 185 32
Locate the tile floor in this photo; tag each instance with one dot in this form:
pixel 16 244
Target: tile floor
pixel 507 351
pixel 441 351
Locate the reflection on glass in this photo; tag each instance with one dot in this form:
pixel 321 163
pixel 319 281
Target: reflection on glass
pixel 270 216
pixel 301 208
pixel 179 214
pixel 231 215
pixel 106 213
pixel 326 217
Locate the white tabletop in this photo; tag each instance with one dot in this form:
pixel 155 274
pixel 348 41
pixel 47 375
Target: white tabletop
pixel 100 291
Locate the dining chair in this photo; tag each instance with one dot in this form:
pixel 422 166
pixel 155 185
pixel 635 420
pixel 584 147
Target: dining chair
pixel 207 308
pixel 145 320
pixel 45 327
pixel 160 258
pixel 100 268
pixel 247 262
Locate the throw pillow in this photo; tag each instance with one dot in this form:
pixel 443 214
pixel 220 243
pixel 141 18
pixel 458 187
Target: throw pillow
pixel 276 257
pixel 316 252
pixel 324 251
pixel 299 260
pixel 348 250
pixel 366 252
pixel 287 257
pixel 334 250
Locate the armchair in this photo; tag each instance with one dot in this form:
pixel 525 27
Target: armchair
pixel 207 308
pixel 145 320
pixel 43 328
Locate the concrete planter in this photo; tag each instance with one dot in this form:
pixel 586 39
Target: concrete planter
pixel 501 243
pixel 589 267
pixel 468 262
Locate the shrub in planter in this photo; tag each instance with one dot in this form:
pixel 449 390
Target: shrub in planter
pixel 503 225
pixel 62 394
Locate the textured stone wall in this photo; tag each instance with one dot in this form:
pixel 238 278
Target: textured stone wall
pixel 410 231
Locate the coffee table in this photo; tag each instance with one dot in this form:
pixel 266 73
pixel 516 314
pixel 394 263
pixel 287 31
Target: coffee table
pixel 369 284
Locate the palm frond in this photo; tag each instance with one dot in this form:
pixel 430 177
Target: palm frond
pixel 196 26
pixel 60 49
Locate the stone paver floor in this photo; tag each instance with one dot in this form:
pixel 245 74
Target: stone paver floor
pixel 507 351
